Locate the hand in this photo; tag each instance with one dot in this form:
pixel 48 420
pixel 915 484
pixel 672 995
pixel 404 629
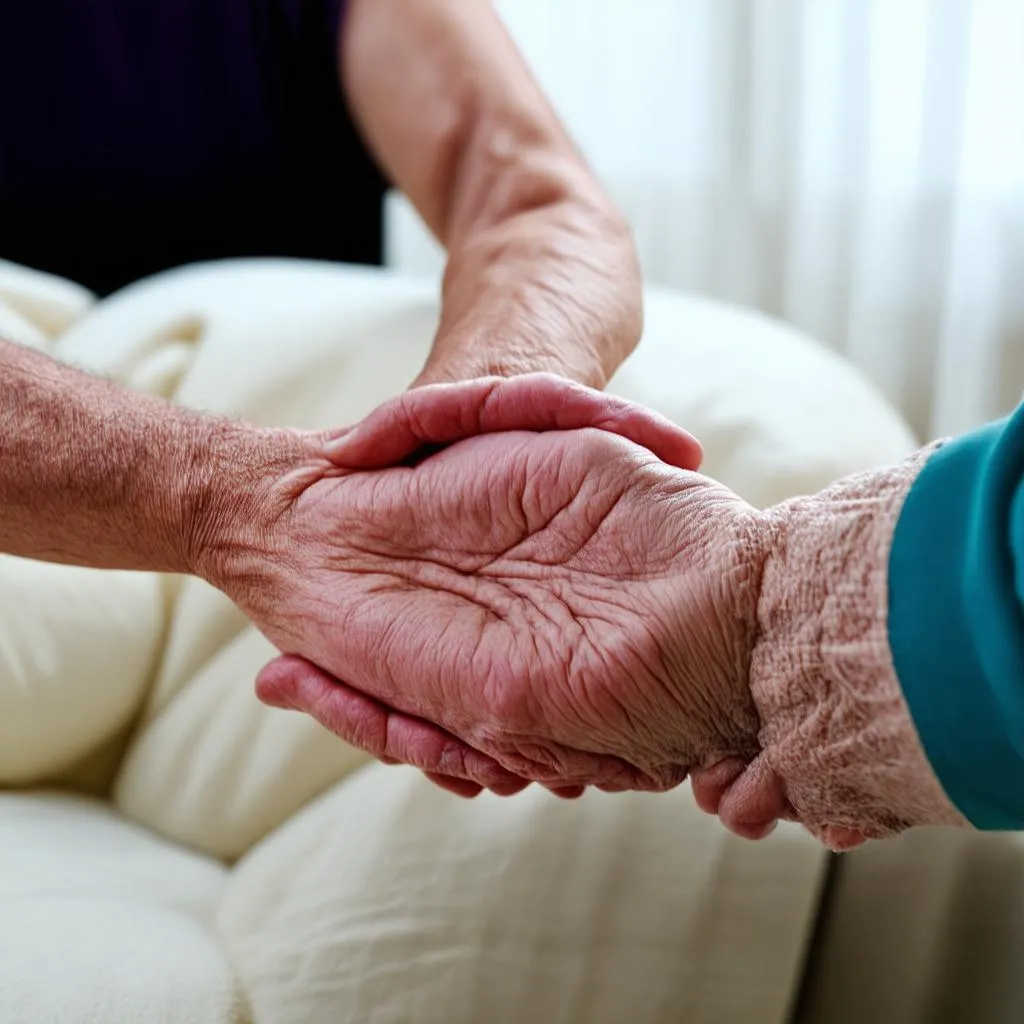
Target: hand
pixel 415 423
pixel 564 604
pixel 406 427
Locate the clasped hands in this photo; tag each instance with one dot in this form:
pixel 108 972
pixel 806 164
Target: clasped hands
pixel 512 581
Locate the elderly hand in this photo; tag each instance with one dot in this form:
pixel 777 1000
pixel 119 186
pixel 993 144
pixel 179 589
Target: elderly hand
pixel 564 603
pixel 280 547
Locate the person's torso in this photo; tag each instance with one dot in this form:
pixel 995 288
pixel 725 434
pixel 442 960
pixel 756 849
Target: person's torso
pixel 137 135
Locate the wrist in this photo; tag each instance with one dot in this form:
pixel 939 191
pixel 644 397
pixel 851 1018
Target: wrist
pixel 554 289
pixel 240 482
pixel 835 726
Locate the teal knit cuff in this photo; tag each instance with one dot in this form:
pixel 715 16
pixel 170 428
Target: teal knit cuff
pixel 956 628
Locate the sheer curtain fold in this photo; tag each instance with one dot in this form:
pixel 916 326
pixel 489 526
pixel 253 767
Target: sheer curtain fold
pixel 853 166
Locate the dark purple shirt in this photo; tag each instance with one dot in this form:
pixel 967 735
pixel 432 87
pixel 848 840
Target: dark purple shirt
pixel 141 134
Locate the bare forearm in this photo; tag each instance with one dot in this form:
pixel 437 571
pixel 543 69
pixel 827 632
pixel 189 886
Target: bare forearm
pixel 454 115
pixel 91 474
pixel 554 290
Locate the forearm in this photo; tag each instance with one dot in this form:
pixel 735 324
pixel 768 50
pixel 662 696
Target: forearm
pixel 555 290
pixel 889 669
pixel 91 474
pixel 457 120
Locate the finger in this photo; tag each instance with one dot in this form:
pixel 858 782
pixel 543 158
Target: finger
pixel 460 787
pixel 396 738
pixel 571 769
pixel 568 792
pixel 629 778
pixel 444 413
pixel 710 784
pixel 753 803
pixel 510 788
pixel 292 682
pixel 464 788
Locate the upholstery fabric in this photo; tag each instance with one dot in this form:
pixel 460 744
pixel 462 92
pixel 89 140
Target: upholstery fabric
pixel 600 911
pixel 103 923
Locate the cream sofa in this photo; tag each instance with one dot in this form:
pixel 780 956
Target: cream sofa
pixel 172 851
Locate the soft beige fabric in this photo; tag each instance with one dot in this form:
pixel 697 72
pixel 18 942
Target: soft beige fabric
pixel 102 923
pixel 778 415
pixel 439 911
pixel 606 910
pixel 36 307
pixel 77 648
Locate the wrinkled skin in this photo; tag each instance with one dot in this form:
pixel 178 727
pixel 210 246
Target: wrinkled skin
pixel 560 607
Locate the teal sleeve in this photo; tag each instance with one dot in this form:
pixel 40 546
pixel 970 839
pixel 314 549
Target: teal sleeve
pixel 956 619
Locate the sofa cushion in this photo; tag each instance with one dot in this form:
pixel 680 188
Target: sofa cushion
pixel 392 901
pixel 78 648
pixel 42 305
pixel 102 922
pixel 777 413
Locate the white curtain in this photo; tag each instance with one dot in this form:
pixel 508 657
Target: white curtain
pixel 853 166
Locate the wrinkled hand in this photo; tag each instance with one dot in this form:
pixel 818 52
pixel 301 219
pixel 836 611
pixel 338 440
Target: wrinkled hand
pixel 252 521
pixel 561 608
pixel 417 423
